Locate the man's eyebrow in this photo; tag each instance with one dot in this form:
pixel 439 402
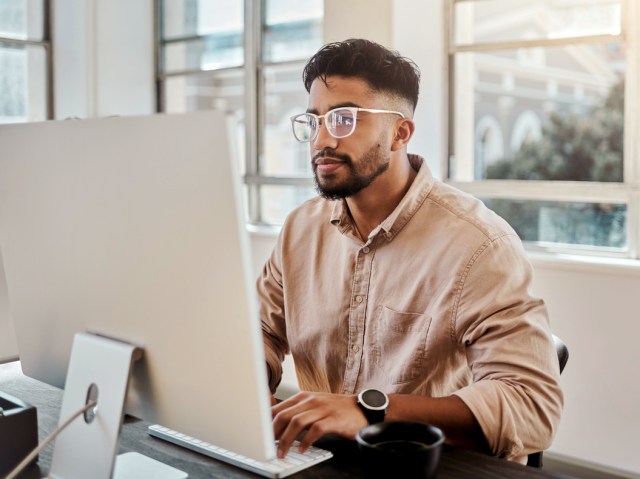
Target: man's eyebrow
pixel 333 107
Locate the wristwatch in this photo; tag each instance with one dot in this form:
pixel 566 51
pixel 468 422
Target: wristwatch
pixel 373 403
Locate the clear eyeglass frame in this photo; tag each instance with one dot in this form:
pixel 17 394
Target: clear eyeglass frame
pixel 340 122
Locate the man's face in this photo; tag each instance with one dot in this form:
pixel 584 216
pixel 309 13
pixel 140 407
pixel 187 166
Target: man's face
pixel 345 166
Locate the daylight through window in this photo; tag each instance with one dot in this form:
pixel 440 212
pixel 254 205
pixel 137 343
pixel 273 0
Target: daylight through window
pixel 245 57
pixel 538 90
pixel 25 61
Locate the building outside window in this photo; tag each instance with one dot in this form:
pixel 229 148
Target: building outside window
pixel 245 57
pixel 25 61
pixel 541 119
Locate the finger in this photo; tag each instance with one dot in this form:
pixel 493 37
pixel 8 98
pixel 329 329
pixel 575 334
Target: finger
pixel 315 432
pixel 340 425
pixel 282 419
pixel 294 428
pixel 345 424
pixel 284 412
pixel 287 403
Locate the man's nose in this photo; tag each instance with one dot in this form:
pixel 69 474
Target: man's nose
pixel 324 139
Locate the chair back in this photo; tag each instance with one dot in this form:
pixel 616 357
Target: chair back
pixel 535 459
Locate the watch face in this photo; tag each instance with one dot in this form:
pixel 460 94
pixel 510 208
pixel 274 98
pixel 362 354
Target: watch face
pixel 374 398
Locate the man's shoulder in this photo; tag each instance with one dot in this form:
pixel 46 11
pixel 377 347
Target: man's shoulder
pixel 468 211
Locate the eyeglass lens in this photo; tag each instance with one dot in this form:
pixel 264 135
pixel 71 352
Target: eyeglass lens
pixel 340 123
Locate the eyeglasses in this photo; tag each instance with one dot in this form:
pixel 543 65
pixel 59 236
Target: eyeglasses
pixel 340 122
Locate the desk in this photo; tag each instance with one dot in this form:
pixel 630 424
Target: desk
pixel 455 464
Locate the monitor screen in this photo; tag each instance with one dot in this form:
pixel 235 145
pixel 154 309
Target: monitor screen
pixel 134 228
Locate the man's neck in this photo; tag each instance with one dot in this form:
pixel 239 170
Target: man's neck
pixel 376 202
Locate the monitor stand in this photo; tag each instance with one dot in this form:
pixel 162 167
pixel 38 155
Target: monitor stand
pixel 99 369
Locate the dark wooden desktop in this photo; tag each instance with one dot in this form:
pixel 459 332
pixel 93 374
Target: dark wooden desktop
pixel 455 464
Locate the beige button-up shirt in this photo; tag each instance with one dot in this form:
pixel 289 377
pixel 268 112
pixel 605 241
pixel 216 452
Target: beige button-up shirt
pixel 435 302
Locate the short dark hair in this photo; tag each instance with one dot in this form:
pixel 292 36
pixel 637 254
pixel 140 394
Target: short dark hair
pixel 383 69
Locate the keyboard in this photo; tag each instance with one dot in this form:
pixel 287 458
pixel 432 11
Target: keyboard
pixel 275 468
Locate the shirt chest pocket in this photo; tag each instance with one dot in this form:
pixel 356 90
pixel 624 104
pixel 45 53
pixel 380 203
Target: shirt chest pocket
pixel 399 344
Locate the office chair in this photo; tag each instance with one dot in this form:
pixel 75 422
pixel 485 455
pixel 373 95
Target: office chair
pixel 535 459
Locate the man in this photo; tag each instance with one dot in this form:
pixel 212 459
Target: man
pixel 395 282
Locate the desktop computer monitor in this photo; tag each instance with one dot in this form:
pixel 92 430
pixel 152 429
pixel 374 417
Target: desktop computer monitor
pixel 133 228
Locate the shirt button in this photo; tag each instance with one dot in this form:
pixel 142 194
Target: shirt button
pixel 355 348
pixel 359 299
pixel 365 250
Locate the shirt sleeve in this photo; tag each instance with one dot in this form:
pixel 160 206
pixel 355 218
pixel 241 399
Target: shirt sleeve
pixel 515 394
pixel 272 314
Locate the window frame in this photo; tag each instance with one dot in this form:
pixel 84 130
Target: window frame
pixel 47 45
pixel 627 191
pixel 253 70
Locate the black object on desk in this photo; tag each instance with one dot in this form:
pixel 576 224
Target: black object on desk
pixel 400 448
pixel 18 431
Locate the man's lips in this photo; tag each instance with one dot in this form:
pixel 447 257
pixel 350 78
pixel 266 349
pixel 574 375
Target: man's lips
pixel 327 160
pixel 326 165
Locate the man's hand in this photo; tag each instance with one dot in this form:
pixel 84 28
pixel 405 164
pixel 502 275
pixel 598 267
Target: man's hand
pixel 317 414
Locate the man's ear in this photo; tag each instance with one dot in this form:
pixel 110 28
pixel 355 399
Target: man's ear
pixel 404 132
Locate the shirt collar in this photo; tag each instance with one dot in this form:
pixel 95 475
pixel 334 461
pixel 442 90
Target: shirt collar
pixel 405 210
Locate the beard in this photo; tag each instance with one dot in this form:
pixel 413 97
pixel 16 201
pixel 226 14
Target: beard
pixel 371 165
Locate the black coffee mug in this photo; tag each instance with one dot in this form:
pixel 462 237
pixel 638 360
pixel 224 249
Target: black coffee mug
pixel 400 449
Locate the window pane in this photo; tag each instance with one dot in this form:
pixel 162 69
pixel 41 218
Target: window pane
pixel 208 53
pixel 511 20
pixel 278 201
pixel 588 224
pixel 284 96
pixel 540 114
pixel 22 19
pixel 292 30
pixel 23 84
pixel 221 91
pixel 188 18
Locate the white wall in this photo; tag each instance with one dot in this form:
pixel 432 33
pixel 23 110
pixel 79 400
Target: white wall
pixel 418 34
pixel 595 311
pixel 358 19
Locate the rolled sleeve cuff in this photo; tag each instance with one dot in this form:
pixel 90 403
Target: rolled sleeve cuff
pixel 491 409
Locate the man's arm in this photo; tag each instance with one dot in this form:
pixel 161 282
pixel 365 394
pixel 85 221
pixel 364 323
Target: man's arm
pixel 515 393
pixel 450 414
pixel 324 413
pixel 272 315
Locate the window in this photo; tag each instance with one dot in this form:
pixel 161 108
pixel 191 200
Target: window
pixel 543 118
pixel 25 61
pixel 245 57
